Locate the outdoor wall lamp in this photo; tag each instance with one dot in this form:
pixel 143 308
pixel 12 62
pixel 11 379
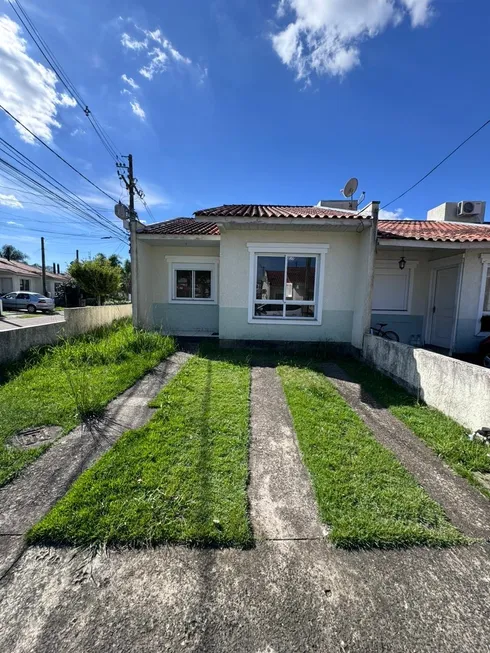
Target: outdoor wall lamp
pixel 402 263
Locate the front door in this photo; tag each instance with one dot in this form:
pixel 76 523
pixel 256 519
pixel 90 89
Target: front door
pixel 6 285
pixel 444 307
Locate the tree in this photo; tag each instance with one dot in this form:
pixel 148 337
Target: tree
pixel 11 253
pixel 126 277
pixel 97 278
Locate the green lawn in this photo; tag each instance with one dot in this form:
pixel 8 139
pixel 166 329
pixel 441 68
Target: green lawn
pixel 446 437
pixel 364 494
pixel 64 384
pixel 181 478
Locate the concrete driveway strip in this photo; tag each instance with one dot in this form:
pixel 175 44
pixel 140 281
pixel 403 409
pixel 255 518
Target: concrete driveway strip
pixel 282 505
pixel 282 597
pixel 29 497
pixel 467 508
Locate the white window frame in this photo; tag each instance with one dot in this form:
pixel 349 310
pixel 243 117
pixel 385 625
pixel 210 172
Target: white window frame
pixel 485 259
pixel 389 267
pixel 287 249
pixel 23 282
pixel 194 263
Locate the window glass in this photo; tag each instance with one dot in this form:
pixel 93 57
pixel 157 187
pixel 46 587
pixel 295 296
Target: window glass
pixel 270 277
pixel 24 284
pixel 300 285
pixel 184 283
pixel 301 310
pixel 202 284
pixel 269 310
pixel 486 296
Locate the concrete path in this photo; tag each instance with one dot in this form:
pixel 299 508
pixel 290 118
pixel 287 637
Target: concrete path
pixel 282 597
pixel 29 497
pixel 467 508
pixel 17 320
pixel 282 505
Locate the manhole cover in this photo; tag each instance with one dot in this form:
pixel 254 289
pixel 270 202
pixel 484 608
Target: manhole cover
pixel 35 437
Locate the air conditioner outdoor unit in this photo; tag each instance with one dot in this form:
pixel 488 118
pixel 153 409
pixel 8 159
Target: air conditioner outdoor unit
pixel 467 208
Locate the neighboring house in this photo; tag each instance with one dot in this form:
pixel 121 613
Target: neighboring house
pixel 20 276
pixel 312 273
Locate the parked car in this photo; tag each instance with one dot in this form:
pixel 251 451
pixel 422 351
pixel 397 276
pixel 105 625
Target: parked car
pixel 30 301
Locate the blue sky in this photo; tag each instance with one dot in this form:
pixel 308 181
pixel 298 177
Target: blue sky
pixel 232 101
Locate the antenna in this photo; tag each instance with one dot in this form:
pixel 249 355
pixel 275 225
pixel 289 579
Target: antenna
pixel 350 188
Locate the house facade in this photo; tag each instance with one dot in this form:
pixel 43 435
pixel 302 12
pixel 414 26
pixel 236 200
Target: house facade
pixel 322 273
pixel 15 276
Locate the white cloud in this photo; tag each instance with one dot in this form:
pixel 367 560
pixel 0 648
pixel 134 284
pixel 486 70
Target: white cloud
pixel 129 81
pixel 324 36
pixel 397 214
pixel 27 88
pixel 158 64
pixel 10 200
pixel 133 44
pixel 78 132
pixel 158 49
pixel 154 195
pixel 138 109
pixel 13 223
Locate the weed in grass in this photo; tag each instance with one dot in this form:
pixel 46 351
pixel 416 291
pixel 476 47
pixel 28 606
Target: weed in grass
pixel 447 438
pixel 181 478
pixel 71 382
pixel 364 494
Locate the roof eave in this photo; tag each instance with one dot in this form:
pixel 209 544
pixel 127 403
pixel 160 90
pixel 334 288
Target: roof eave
pixel 150 236
pixel 431 244
pixel 222 220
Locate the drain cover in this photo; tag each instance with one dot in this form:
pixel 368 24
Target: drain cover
pixel 35 437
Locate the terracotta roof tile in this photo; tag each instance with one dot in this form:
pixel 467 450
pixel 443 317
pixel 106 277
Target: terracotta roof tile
pixel 14 267
pixel 181 227
pixel 276 211
pixel 434 231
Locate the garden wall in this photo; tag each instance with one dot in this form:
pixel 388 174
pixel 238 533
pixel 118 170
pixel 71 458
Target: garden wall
pixel 459 390
pixel 15 342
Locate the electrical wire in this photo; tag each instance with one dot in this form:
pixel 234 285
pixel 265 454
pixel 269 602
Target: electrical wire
pixel 57 68
pixel 56 154
pixel 30 165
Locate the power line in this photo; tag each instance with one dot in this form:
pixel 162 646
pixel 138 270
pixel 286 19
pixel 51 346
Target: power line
pixel 30 165
pixel 54 64
pixel 63 201
pixel 56 154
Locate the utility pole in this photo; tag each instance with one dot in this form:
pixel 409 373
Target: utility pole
pixel 76 256
pixel 54 268
pixel 43 264
pixel 130 184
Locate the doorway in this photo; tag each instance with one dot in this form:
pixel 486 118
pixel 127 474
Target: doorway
pixel 444 306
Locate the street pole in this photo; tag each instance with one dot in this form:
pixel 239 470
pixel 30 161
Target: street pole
pixel 43 265
pixel 76 256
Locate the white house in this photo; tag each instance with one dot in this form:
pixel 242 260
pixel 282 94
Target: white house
pixel 20 276
pixel 320 273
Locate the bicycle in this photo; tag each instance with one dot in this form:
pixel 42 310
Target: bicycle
pixel 387 335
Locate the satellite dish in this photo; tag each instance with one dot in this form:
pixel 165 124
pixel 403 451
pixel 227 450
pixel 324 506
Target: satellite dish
pixel 350 187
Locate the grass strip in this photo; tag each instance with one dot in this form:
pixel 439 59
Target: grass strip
pixel 364 494
pixel 444 436
pixel 182 478
pixel 64 384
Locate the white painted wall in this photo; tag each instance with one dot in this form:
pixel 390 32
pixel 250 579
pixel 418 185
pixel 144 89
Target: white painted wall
pixel 154 273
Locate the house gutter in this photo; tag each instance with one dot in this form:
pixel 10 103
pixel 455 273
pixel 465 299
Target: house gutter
pixel 458 306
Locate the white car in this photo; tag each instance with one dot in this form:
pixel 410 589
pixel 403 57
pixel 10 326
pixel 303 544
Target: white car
pixel 30 301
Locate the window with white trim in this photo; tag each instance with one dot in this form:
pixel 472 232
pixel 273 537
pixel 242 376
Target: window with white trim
pixel 25 285
pixel 192 280
pixel 285 284
pixel 392 290
pixel 484 312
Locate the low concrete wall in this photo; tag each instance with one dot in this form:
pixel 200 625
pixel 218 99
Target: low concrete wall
pixel 81 320
pixel 16 342
pixel 459 390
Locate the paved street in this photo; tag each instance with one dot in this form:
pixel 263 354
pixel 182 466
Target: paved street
pixel 14 320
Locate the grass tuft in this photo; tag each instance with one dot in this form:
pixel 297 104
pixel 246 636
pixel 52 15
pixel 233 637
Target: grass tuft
pixel 364 494
pixel 71 382
pixel 444 436
pixel 182 478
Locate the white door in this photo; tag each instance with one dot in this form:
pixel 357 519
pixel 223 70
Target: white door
pixel 444 307
pixel 6 285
